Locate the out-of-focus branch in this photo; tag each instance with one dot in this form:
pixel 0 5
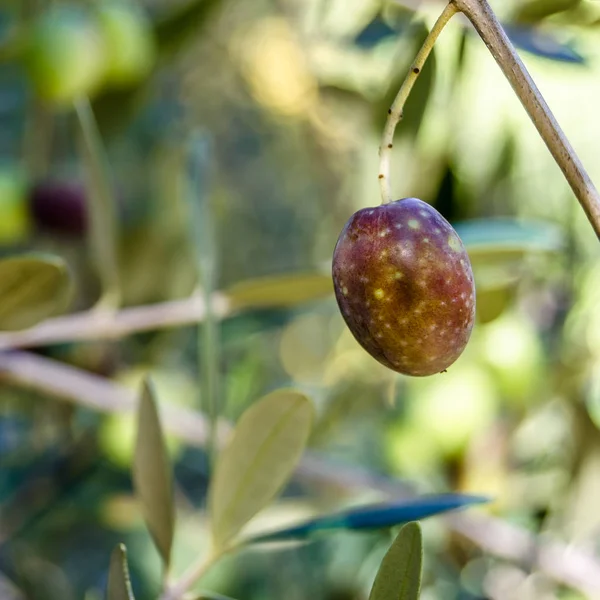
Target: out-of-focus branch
pixel 565 564
pixel 102 325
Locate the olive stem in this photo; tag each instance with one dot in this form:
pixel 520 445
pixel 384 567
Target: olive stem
pixel 395 111
pixel 491 32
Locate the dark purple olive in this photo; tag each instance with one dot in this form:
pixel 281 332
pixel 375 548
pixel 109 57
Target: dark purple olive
pixel 60 207
pixel 404 285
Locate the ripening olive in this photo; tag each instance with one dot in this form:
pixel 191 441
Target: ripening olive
pixel 404 284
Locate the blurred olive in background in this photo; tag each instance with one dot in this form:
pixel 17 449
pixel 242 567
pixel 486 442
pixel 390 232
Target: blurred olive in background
pixel 65 55
pixel 129 42
pixel 59 206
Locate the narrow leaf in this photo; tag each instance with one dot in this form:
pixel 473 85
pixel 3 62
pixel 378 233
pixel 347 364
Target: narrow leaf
pixel 119 584
pixel 258 461
pixel 280 291
pixel 32 288
pixel 102 205
pixel 152 476
pixel 399 576
pixel 374 516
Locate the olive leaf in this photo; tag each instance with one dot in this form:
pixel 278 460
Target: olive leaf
pixel 152 475
pixel 500 251
pixel 102 203
pixel 399 576
pixel 280 290
pixel 32 288
pixel 119 584
pixel 258 461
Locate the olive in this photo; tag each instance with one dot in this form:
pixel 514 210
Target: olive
pixel 404 285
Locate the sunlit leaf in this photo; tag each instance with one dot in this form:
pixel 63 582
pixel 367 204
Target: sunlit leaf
pixel 280 291
pixel 258 461
pixel 32 288
pixel 534 11
pixel 152 475
pixel 119 584
pixel 399 576
pixel 375 516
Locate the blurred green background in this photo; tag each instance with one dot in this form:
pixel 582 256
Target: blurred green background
pixel 239 138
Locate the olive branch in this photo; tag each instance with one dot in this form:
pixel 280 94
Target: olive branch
pixel 485 22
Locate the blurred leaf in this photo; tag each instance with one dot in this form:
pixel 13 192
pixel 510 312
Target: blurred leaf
pixel 280 290
pixel 102 205
pixel 542 44
pixel 32 288
pixel 499 249
pixel 415 106
pixel 499 239
pixel 399 576
pixel 258 461
pixel 537 10
pixel 119 584
pixel 152 475
pixel 493 301
pixel 376 31
pixel 375 516
pixel 173 31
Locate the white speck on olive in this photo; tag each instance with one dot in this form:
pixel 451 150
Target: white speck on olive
pixel 379 294
pixel 454 243
pixel 414 224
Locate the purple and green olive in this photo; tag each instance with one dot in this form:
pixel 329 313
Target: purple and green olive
pixel 404 284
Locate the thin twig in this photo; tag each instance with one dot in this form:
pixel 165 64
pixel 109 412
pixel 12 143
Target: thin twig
pixel 397 108
pixel 488 27
pixel 565 564
pixel 99 325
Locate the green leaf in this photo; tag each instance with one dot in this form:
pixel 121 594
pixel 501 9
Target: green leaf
pixel 500 248
pixel 399 576
pixel 493 301
pixel 119 584
pixel 102 205
pixel 32 288
pixel 537 10
pixel 152 476
pixel 267 443
pixel 280 291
